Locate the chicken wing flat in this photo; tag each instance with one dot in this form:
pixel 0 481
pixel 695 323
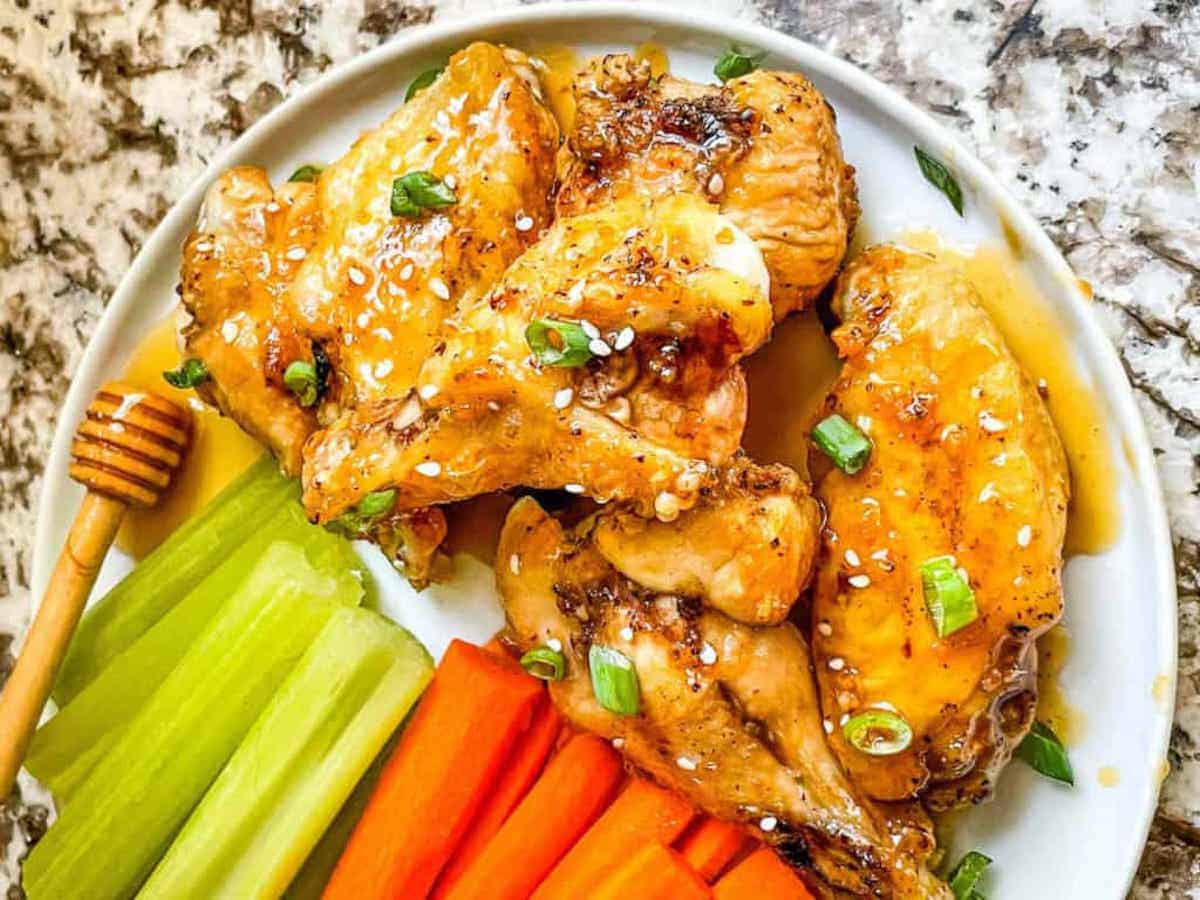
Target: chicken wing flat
pixel 728 713
pixel 764 147
pixel 747 548
pixel 965 464
pixel 668 295
pixel 237 265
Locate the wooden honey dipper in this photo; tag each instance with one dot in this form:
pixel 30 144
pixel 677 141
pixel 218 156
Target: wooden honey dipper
pixel 126 451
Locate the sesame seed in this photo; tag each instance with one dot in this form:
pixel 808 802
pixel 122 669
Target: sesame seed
pixel 859 581
pixel 863 423
pixel 439 288
pixel 824 629
pixel 297 253
pixel 836 664
pixel 428 391
pixel 450 181
pixel 666 506
pixel 383 368
pixel 357 276
pixel 768 823
pixel 880 554
pixel 524 223
pixel 599 348
pixel 685 763
pixel 555 644
pixel 363 320
pixel 627 633
pixel 1024 536
pixel 976 392
pixel 624 338
pixel 852 557
pixel 203 247
pixel 514 564
pixel 573 488
pixel 990 423
pixel 493 406
pixel 618 742
pixel 229 331
pixel 828 726
pixel 563 398
pixel 716 184
pixel 708 654
pixel 575 293
pixel 844 719
pixel 430 468
pixel 589 329
pixel 407 272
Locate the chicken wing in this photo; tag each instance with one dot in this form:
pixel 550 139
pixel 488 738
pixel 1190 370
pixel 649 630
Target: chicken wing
pixel 728 713
pixel 965 463
pixel 764 147
pixel 670 295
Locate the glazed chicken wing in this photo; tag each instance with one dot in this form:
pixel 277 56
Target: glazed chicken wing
pixel 965 463
pixel 668 296
pixel 764 147
pixel 728 713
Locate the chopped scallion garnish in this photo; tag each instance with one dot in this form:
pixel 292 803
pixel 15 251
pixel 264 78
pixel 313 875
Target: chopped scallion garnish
pixel 422 81
pixel 300 377
pixel 544 663
pixel 939 176
pixel 558 343
pixel 734 63
pixel 966 875
pixel 843 443
pixel 1044 752
pixel 416 192
pixel 949 599
pixel 878 732
pixel 356 520
pixel 614 680
pixel 190 373
pixel 307 172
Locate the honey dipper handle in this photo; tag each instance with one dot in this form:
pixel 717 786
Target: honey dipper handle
pixel 29 685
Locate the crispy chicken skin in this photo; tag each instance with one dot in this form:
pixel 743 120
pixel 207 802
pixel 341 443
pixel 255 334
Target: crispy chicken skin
pixel 644 423
pixel 376 287
pixel 728 713
pixel 747 548
pixel 237 264
pixel 965 462
pixel 764 147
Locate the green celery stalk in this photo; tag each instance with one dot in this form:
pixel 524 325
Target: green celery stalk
pixel 176 566
pixel 277 794
pixel 66 748
pixel 125 813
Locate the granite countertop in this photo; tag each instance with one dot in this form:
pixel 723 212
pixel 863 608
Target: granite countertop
pixel 1089 110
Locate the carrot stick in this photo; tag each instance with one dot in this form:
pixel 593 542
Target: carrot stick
pixel 576 786
pixel 712 845
pixel 643 814
pixel 761 876
pixel 519 772
pixel 654 873
pixel 475 710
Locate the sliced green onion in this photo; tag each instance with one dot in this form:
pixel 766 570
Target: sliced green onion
pixel 949 599
pixel 301 379
pixel 569 347
pixel 878 732
pixel 843 443
pixel 416 192
pixel 190 373
pixel 544 663
pixel 422 81
pixel 357 519
pixel 1044 752
pixel 965 876
pixel 614 680
pixel 940 177
pixel 735 63
pixel 307 172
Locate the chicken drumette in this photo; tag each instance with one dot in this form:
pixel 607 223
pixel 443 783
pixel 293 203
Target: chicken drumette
pixel 965 464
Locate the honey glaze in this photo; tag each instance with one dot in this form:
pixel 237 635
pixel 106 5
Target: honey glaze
pixel 220 450
pixel 1053 707
pixel 557 66
pixel 1038 342
pixel 655 54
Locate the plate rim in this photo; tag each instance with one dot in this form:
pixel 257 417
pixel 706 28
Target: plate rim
pixel 1112 381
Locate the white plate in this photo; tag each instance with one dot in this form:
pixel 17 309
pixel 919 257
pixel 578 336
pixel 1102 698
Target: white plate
pixel 1047 841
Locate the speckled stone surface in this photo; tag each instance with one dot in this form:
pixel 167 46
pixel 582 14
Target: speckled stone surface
pixel 1089 110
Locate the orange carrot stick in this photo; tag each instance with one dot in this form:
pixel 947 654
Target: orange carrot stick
pixel 576 786
pixel 519 772
pixel 474 711
pixel 712 845
pixel 654 873
pixel 643 814
pixel 761 876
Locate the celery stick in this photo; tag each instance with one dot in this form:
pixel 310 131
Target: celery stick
pixel 164 577
pixel 67 747
pixel 122 818
pixel 288 779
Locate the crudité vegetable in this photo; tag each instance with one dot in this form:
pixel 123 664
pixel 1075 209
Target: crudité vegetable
pixel 712 845
pixel 164 577
pixel 652 873
pixel 300 761
pixel 124 814
pixel 761 875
